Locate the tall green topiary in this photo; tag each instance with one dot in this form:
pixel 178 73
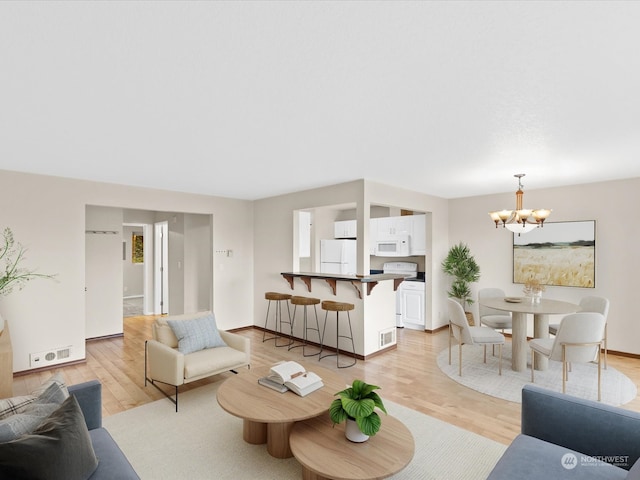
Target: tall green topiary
pixel 461 265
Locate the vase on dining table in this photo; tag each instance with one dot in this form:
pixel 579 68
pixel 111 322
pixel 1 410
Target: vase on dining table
pixel 535 298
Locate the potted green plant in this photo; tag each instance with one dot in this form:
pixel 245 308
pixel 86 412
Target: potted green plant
pixel 461 265
pixel 12 275
pixel 356 406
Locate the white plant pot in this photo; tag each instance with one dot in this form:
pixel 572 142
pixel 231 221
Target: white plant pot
pixel 1 324
pixel 353 433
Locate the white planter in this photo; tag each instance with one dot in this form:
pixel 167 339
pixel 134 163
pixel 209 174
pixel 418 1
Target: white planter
pixel 353 433
pixel 1 324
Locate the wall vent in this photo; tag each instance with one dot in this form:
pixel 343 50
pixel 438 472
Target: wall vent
pixel 388 337
pixel 49 357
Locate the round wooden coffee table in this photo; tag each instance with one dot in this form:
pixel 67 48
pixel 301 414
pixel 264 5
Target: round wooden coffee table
pixel 268 415
pixel 325 453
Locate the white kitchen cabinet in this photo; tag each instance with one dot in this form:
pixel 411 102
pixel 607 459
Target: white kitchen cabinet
pixel 391 227
pixel 412 298
pixel 345 229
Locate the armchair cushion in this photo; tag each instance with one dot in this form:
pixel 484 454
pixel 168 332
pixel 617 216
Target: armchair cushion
pixel 196 334
pixel 218 359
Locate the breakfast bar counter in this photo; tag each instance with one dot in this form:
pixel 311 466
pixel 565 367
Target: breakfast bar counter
pixel 358 281
pixel 373 318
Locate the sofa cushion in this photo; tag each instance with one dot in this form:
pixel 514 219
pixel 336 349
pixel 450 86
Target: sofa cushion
pixel 113 464
pixel 196 334
pixel 11 406
pixel 27 421
pixel 528 458
pixel 205 362
pixel 604 430
pixel 634 472
pixel 59 449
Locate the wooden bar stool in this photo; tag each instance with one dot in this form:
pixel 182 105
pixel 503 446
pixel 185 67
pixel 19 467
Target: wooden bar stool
pixel 306 302
pixel 278 298
pixel 338 307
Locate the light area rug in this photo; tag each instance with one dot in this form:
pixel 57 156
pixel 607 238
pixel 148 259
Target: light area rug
pixel 202 441
pixel 617 388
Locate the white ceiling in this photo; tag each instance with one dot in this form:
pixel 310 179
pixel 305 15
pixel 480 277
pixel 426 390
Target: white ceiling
pixel 254 99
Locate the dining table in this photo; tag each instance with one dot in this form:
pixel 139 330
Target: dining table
pixel 520 307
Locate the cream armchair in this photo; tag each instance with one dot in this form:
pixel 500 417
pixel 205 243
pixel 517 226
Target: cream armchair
pixel 165 363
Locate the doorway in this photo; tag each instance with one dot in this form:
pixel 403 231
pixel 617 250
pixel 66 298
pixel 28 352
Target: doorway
pixel 137 270
pixel 185 261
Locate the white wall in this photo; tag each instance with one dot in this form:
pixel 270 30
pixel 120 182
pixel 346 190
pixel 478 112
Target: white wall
pixel 611 204
pixel 47 215
pixel 198 259
pixel 273 235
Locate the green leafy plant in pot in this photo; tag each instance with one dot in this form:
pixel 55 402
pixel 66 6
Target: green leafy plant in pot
pixel 461 265
pixel 356 406
pixel 12 274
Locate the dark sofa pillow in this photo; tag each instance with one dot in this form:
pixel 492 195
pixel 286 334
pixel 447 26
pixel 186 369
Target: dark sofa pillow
pixel 59 449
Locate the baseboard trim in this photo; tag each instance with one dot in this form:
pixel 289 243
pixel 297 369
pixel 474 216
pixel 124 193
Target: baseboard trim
pixel 105 337
pixel 437 329
pixel 50 367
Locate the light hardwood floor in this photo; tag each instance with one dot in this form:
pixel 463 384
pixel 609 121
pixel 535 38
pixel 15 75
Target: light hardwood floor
pixel 408 376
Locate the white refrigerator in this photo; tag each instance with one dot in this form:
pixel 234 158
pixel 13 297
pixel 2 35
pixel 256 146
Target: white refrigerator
pixel 338 256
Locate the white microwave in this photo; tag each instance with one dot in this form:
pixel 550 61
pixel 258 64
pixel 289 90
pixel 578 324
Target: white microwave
pixel 395 247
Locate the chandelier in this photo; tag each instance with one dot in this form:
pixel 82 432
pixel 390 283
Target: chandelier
pixel 520 220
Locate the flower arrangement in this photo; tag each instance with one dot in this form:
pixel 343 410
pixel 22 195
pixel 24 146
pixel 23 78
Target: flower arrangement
pixel 533 287
pixel 11 274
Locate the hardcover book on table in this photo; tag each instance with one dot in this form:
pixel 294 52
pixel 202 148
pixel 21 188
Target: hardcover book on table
pixel 293 376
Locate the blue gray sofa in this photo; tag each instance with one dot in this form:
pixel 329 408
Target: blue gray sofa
pixel 568 437
pixel 112 463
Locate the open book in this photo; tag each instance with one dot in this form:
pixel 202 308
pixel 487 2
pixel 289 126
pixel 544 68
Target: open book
pixel 293 376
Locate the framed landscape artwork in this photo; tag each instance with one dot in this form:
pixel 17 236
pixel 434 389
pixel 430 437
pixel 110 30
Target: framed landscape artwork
pixel 560 253
pixel 137 248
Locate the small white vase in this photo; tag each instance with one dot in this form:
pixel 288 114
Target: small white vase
pixel 353 433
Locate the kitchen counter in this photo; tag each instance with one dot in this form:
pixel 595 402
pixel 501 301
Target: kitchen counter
pixel 373 320
pixel 358 281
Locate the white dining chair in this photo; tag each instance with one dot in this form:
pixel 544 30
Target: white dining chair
pixel 578 340
pixel 460 329
pixel 491 317
pixel 591 304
